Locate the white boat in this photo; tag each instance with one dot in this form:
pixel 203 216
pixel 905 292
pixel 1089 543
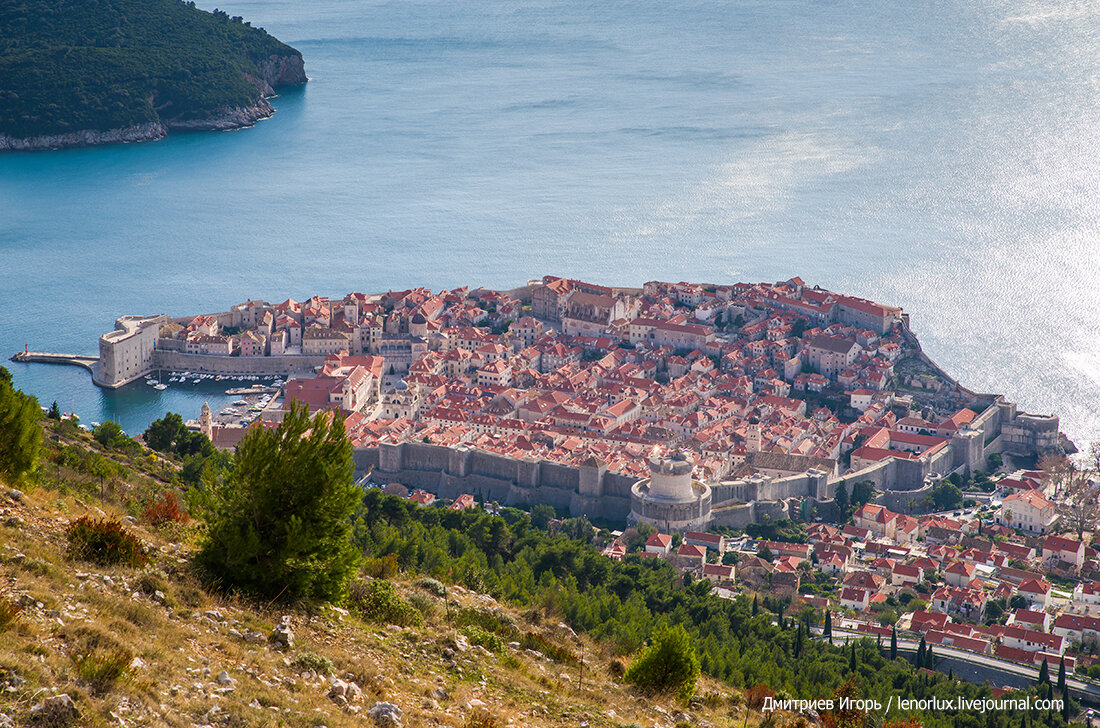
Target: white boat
pixel 160 386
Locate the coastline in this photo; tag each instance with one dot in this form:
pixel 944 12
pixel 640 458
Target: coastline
pixel 275 72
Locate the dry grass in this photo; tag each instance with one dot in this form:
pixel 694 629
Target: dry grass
pixel 83 625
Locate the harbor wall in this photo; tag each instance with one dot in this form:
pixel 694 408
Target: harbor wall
pixel 177 361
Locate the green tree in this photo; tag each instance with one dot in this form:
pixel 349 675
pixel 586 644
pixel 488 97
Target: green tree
pixel 922 648
pixel 893 643
pixel 541 515
pixel 109 434
pixel 1062 679
pixel 842 504
pixel 1044 672
pixel 669 665
pixel 165 434
pixel 827 631
pixel 20 430
pixel 755 604
pixel 279 525
pixel 55 412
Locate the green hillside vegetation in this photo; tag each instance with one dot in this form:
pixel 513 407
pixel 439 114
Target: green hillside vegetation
pixel 71 65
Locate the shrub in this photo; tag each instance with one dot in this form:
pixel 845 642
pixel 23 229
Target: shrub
pixel 310 661
pixel 488 640
pixel 150 582
pixel 101 669
pixel 432 586
pixel 104 542
pixel 535 641
pixel 425 605
pixel 482 718
pixel 378 601
pixel 279 526
pixel 9 613
pixel 669 665
pixel 166 510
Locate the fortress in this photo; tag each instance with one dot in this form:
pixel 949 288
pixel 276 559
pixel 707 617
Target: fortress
pixel 672 500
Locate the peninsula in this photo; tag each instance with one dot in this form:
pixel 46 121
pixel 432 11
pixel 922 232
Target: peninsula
pixel 79 73
pixel 771 395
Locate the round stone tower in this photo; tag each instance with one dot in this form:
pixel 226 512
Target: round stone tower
pixel 670 498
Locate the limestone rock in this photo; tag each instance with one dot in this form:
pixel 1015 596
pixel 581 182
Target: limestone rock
pixel 385 714
pixel 224 679
pixel 15 495
pixel 282 636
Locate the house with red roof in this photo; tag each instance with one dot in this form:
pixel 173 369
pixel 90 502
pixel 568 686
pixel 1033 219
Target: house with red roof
pixel 1027 510
pixel 1064 549
pixel 463 502
pixel 1087 592
pixel 855 599
pixel 906 575
pixel 922 621
pixel 1076 628
pixel 1038 621
pixel 718 572
pixel 959 573
pixel 1036 591
pixel 1018 551
pixel 659 543
pixel 950 599
pixel 877 519
pixel 706 540
pixel 1023 638
pixel 689 556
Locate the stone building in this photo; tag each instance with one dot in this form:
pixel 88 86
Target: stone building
pixel 670 498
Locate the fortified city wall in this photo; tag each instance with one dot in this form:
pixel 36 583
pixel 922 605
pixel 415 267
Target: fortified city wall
pixel 590 490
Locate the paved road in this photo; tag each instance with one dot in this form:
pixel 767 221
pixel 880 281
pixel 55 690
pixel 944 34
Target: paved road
pixel 1079 688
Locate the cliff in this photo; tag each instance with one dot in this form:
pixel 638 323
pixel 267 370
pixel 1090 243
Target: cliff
pixel 76 74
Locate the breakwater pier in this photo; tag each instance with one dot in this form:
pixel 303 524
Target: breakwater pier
pixel 46 357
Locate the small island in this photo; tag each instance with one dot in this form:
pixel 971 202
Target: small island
pixel 76 73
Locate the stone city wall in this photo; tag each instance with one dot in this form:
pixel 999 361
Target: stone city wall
pixel 177 361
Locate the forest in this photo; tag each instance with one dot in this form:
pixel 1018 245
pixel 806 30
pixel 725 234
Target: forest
pixel 72 65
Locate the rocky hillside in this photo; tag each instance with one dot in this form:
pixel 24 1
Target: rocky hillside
pixel 82 644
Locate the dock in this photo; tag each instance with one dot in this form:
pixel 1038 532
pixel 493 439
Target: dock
pixel 255 389
pixel 45 357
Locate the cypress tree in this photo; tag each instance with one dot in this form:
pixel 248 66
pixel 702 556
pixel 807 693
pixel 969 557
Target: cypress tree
pixel 1044 672
pixel 755 604
pixel 828 630
pixel 893 643
pixel 921 649
pixel 1065 707
pixel 930 659
pixel 1062 677
pixel 279 527
pixel 852 657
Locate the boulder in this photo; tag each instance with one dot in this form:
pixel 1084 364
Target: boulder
pixel 224 679
pixel 385 714
pixel 15 495
pixel 282 636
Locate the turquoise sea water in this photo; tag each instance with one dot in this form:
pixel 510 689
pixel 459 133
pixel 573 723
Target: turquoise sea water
pixel 941 155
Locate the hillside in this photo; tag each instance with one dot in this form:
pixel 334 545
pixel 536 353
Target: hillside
pixel 172 639
pixel 76 72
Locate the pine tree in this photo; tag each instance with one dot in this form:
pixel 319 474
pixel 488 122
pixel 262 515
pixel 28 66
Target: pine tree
pixel 55 412
pixel 828 629
pixel 1044 672
pixel 893 643
pixel 20 431
pixel 671 664
pixel 279 526
pixel 1062 677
